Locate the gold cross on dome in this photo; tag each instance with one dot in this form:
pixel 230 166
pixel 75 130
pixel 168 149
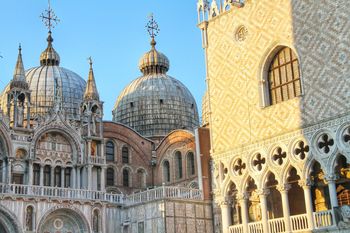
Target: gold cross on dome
pixel 152 27
pixel 49 18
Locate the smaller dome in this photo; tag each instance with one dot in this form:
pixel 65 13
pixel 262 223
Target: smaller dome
pixel 49 57
pixel 154 61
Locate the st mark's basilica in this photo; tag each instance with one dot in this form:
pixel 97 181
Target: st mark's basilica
pixel 271 154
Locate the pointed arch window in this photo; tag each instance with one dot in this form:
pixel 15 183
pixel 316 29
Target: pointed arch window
pixel 178 162
pixel 110 151
pixel 36 174
pixel 190 164
pixel 67 177
pixel 166 171
pixel 284 76
pixel 47 175
pixel 58 176
pixel 125 154
pixel 110 177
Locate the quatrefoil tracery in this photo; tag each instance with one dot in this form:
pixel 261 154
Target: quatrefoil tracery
pixel 325 143
pixel 279 156
pixel 239 167
pixel 301 150
pixel 259 162
pixel 346 136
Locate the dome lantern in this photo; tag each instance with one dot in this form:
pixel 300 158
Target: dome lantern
pixel 49 57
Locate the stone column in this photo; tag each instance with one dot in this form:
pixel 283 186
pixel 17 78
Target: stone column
pixel 331 179
pixel 41 175
pixel 89 151
pixel 62 177
pixel 263 204
pixel 9 171
pixel 103 178
pixel 243 198
pixel 78 185
pixel 30 172
pixel 3 172
pixel 225 206
pixel 306 185
pixel 73 177
pixel 52 178
pixel 89 177
pixel 285 204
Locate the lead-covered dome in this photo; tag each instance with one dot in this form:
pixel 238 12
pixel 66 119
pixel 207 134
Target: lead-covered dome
pixel 50 81
pixel 155 103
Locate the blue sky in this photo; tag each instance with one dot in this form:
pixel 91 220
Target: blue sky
pixel 112 32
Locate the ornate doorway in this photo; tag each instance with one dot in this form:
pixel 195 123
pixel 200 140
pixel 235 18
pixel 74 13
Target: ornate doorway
pixel 63 221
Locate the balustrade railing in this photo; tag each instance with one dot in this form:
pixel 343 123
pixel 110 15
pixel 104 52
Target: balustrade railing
pixel 299 222
pixel 255 227
pixel 172 192
pixel 277 225
pixel 323 219
pixel 236 229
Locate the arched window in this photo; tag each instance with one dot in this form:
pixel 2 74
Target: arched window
pixel 47 175
pixel 125 154
pixel 57 177
pixel 110 151
pixel 284 76
pixel 166 171
pixel 36 174
pixel 190 164
pixel 178 164
pixel 126 178
pixel 30 218
pixel 96 221
pixel 67 176
pixel 110 177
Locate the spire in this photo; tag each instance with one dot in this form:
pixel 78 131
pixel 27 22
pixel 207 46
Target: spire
pixel 19 78
pixel 91 92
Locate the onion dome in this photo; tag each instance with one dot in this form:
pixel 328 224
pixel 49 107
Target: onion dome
pixel 154 61
pixel 156 104
pixel 49 57
pixel 19 79
pixel 91 92
pixel 45 80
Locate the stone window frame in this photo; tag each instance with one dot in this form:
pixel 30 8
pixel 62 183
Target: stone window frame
pixel 114 150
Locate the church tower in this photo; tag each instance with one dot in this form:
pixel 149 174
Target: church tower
pixel 18 96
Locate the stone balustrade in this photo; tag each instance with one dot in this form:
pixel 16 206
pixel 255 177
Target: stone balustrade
pixel 163 192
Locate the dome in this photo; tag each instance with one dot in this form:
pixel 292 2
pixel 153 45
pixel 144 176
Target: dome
pixel 155 103
pixel 45 80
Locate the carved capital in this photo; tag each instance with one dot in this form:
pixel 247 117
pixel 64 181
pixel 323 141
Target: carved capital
pixel 305 183
pixel 331 178
pixel 263 192
pixel 283 187
pixel 242 196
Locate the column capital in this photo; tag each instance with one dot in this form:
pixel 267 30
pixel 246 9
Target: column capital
pixel 331 178
pixel 283 188
pixel 305 183
pixel 263 192
pixel 243 196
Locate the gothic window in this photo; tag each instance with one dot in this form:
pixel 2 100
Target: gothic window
pixel 110 151
pixel 67 175
pixel 178 164
pixel 57 177
pixel 190 164
pixel 166 171
pixel 96 222
pixel 125 154
pixel 47 175
pixel 36 174
pixel 110 177
pixel 29 218
pixel 284 76
pixel 126 178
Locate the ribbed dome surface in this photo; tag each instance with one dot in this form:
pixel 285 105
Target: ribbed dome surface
pixel 154 61
pixel 41 82
pixel 156 104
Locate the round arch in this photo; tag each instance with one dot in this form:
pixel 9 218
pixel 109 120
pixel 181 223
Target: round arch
pixel 71 220
pixel 5 141
pixel 8 221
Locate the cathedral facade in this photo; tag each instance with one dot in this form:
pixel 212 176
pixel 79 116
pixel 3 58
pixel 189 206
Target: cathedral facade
pixel 277 105
pixel 63 169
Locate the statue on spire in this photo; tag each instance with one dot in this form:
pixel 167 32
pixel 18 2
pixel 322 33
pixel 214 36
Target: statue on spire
pixel 49 18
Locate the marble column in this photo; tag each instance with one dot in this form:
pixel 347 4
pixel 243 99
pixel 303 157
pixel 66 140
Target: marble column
pixel 41 175
pixel 225 206
pixel 9 171
pixel 243 202
pixel 306 185
pixel 89 177
pixel 73 177
pixel 52 178
pixel 331 179
pixel 78 184
pixel 103 178
pixel 62 177
pixel 263 205
pixel 30 172
pixel 3 180
pixel 285 204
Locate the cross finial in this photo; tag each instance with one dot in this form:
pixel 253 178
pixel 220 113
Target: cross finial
pixel 152 27
pixel 90 61
pixel 49 18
